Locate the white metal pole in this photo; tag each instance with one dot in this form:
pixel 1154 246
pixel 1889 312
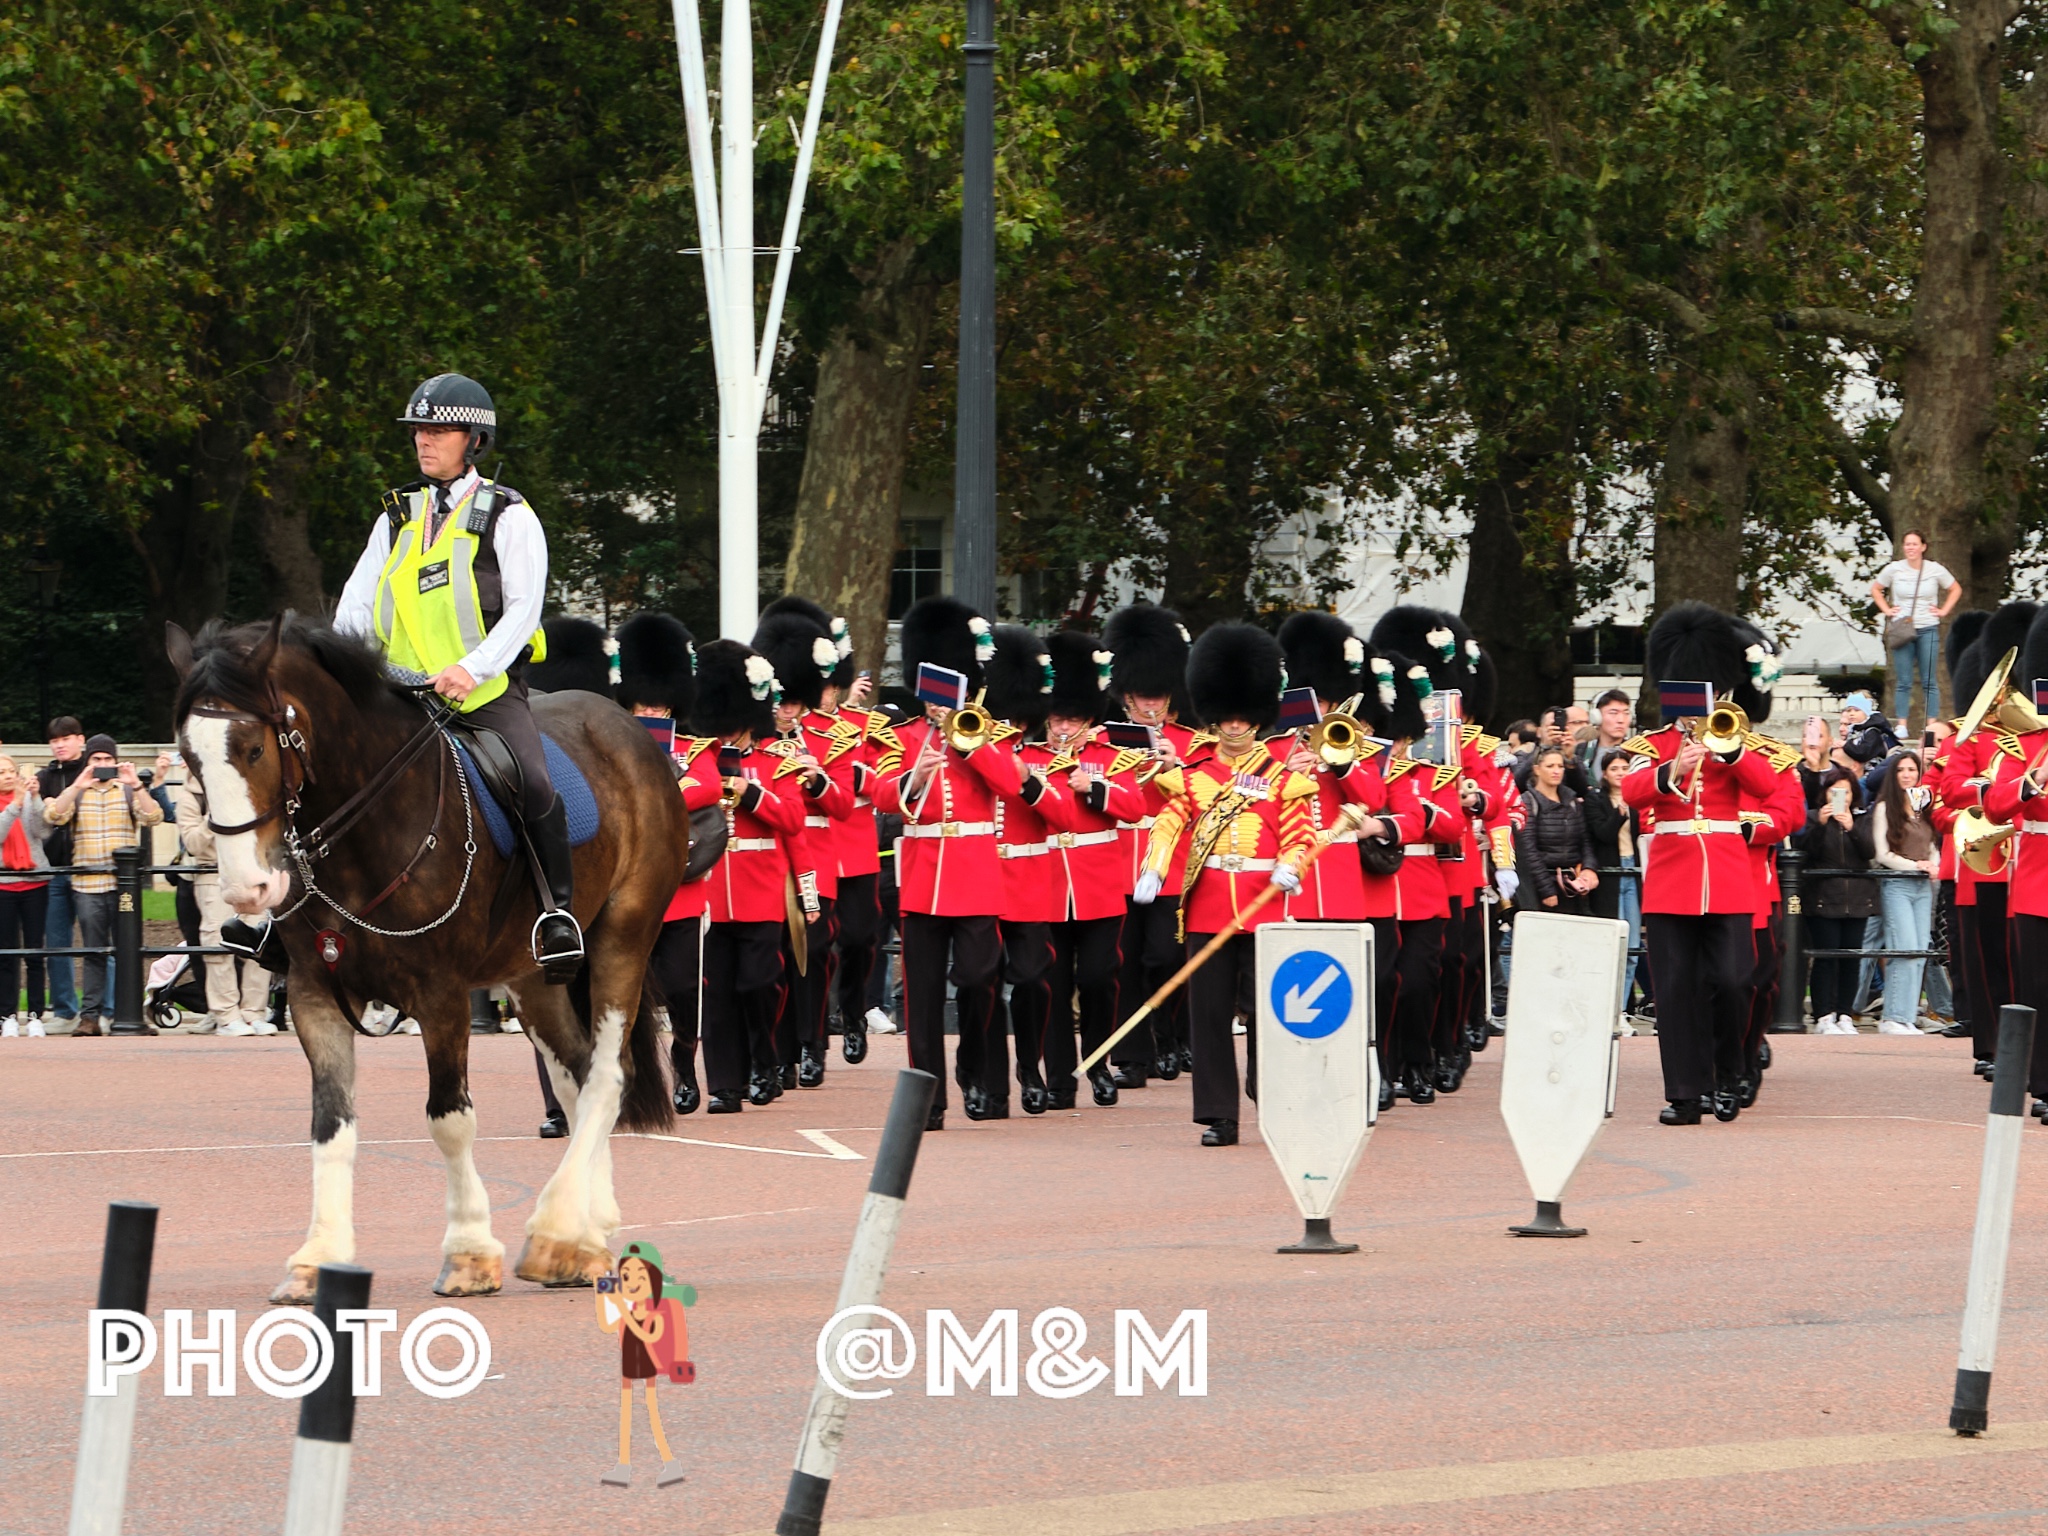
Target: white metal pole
pixel 703 165
pixel 1992 1240
pixel 771 327
pixel 739 415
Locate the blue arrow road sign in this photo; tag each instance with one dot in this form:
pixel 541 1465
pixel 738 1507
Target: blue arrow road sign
pixel 1311 994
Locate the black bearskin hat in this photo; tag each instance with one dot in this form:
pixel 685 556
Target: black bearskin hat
pixel 657 664
pixel 1081 666
pixel 2033 660
pixel 2005 630
pixel 735 691
pixel 1761 668
pixel 1322 653
pixel 1697 643
pixel 1400 686
pixel 1963 631
pixel 802 654
pixel 1441 642
pixel 1234 673
pixel 842 638
pixel 1019 687
pixel 1151 649
pixel 947 633
pixel 1485 693
pixel 576 658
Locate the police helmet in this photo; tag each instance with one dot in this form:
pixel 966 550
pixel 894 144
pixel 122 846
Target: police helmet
pixel 455 400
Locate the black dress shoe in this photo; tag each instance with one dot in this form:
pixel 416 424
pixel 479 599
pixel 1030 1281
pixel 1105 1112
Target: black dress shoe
pixel 1222 1134
pixel 1386 1094
pixel 1166 1068
pixel 763 1090
pixel 1060 1095
pixel 725 1104
pixel 1763 1055
pixel 2040 1110
pixel 853 1041
pixel 1104 1087
pixel 975 1102
pixel 1187 1058
pixel 810 1072
pixel 1745 1091
pixel 687 1098
pixel 788 1075
pixel 1983 1070
pixel 1680 1112
pixel 554 1128
pixel 1036 1100
pixel 1476 1037
pixel 1956 1031
pixel 1129 1075
pixel 1420 1089
pixel 1727 1105
pixel 936 1120
pixel 985 1106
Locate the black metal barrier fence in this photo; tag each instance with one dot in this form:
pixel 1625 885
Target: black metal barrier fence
pixel 128 950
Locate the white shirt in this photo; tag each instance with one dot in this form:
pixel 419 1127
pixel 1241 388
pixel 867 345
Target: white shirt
pixel 523 577
pixel 1899 580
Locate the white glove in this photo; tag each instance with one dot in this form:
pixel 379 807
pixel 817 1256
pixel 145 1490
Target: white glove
pixel 1507 882
pixel 1148 888
pixel 1287 878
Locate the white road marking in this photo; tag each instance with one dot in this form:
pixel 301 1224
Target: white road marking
pixel 698 1221
pixel 842 1154
pixel 845 1154
pixel 832 1150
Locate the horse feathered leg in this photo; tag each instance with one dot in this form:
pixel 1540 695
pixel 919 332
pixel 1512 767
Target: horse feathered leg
pixel 472 1258
pixel 330 1049
pixel 563 1245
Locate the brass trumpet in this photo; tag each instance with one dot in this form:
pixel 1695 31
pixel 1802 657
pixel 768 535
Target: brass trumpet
pixel 1980 841
pixel 1335 739
pixel 1720 731
pixel 967 727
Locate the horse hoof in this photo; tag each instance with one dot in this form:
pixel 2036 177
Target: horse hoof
pixel 300 1281
pixel 551 1261
pixel 471 1274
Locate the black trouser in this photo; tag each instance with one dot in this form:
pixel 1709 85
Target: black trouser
pixel 890 900
pixel 2030 986
pixel 1088 958
pixel 807 995
pixel 1386 953
pixel 21 927
pixel 1027 967
pixel 1987 972
pixel 186 903
pixel 1220 992
pixel 547 1089
pixel 742 987
pixel 860 932
pixel 1417 962
pixel 969 949
pixel 1763 995
pixel 1151 953
pixel 1460 979
pixel 1834 980
pixel 1703 965
pixel 676 967
pixel 509 715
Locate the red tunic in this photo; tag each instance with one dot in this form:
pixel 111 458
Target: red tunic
pixel 1699 860
pixel 1192 746
pixel 865 738
pixel 948 865
pixel 2009 802
pixel 1266 824
pixel 701 787
pixel 762 832
pixel 1091 876
pixel 826 802
pixel 1771 819
pixel 1030 874
pixel 1336 887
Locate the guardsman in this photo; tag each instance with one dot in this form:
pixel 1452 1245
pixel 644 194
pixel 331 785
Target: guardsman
pixel 1090 871
pixel 1245 816
pixel 1148 678
pixel 658 682
pixel 451 586
pixel 749 909
pixel 1767 823
pixel 865 739
pixel 1699 896
pixel 1019 693
pixel 2014 792
pixel 1423 803
pixel 950 884
pixel 804 657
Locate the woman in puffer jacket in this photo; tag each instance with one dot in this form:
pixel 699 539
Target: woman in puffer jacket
pixel 1553 855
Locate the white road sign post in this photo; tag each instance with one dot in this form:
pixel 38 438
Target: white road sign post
pixel 1318 1072
pixel 1558 1074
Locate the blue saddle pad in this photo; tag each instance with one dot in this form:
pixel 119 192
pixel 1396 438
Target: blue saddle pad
pixel 570 785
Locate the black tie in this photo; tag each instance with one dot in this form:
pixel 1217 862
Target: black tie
pixel 440 517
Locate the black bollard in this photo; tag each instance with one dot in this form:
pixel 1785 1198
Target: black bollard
pixel 99 1490
pixel 127 943
pixel 1791 1010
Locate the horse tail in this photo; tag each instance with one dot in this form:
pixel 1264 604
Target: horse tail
pixel 645 1105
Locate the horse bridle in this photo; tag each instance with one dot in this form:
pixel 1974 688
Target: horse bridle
pixel 295 772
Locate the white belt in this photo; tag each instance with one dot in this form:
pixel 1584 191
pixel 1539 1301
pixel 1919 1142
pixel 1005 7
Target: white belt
pixel 752 845
pixel 1137 826
pixel 952 829
pixel 862 802
pixel 2034 826
pixel 1237 863
pixel 817 821
pixel 1698 828
pixel 1083 839
pixel 1020 850
pixel 1420 850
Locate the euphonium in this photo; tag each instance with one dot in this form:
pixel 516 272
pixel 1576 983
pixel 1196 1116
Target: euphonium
pixel 967 728
pixel 1335 739
pixel 1980 841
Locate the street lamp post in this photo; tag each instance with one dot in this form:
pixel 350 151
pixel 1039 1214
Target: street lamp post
pixel 974 469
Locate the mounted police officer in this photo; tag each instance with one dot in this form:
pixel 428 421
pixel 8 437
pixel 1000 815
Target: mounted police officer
pixel 450 588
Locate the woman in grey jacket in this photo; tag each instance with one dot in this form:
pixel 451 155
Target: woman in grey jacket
pixel 24 898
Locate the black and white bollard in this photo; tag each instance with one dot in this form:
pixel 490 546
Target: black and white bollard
pixel 318 1493
pixel 1988 1248
pixel 99 1491
pixel 817 1453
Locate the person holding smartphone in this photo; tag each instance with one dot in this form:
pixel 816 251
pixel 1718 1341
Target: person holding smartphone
pixel 106 808
pixel 1838 837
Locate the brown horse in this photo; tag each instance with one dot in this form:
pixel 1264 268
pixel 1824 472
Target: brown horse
pixel 339 808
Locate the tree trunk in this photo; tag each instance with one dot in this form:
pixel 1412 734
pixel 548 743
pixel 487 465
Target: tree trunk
pixel 1520 592
pixel 1702 493
pixel 1947 381
pixel 850 499
pixel 184 544
pixel 295 574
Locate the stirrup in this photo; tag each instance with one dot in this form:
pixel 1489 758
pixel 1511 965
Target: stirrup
pixel 558 964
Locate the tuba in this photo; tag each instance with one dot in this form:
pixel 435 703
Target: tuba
pixel 1998 700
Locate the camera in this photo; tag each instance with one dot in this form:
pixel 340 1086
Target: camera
pixel 103 771
pixel 606 1283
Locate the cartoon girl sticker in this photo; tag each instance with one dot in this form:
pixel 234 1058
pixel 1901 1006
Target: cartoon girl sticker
pixel 645 1309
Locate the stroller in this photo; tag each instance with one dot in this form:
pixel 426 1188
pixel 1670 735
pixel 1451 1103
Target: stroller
pixel 175 982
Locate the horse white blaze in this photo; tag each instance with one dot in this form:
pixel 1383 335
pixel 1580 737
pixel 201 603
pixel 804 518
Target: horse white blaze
pixel 565 1210
pixel 469 1204
pixel 245 884
pixel 331 1239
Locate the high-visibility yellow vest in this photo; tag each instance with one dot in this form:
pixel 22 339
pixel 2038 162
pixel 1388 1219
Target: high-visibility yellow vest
pixel 429 613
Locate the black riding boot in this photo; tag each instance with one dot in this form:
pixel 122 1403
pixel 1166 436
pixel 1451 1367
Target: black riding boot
pixel 557 940
pixel 483 1013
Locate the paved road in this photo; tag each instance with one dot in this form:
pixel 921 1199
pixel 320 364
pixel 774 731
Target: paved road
pixel 1758 1336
